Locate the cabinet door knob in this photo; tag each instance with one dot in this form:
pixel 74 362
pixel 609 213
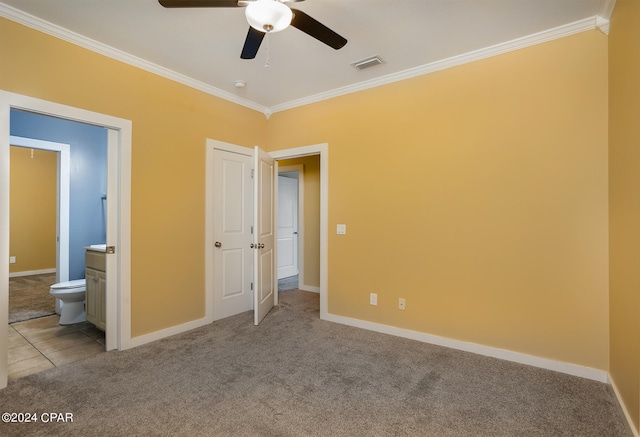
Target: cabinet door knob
pixel 218 244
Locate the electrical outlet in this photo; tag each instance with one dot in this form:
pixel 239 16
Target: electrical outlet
pixel 12 260
pixel 373 299
pixel 402 304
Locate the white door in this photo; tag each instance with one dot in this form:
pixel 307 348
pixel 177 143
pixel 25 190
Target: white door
pixel 263 239
pixel 232 221
pixel 287 227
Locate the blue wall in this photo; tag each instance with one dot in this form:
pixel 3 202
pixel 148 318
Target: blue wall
pixel 88 177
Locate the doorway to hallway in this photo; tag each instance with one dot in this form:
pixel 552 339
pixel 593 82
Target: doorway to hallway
pixel 299 218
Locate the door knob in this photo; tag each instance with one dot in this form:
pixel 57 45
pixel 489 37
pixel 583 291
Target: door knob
pixel 218 244
pixel 253 246
pixel 261 246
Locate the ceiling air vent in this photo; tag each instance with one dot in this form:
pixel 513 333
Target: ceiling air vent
pixel 366 63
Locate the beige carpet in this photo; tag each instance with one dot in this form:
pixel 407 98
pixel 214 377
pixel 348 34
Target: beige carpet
pixel 29 297
pixel 295 375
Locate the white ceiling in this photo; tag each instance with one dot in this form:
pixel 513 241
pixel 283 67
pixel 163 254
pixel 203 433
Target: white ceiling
pixel 201 46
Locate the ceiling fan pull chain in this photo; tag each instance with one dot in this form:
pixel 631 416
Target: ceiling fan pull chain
pixel 266 65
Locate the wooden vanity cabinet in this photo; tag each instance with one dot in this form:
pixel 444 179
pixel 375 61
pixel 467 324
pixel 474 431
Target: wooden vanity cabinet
pixel 96 288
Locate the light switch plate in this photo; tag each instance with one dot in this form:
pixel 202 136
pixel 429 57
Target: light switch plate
pixel 341 229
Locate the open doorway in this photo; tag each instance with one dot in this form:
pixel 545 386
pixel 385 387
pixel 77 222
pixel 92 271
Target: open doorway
pixel 39 232
pixel 118 222
pixel 58 193
pixel 313 218
pixel 40 173
pixel 290 225
pixel 299 223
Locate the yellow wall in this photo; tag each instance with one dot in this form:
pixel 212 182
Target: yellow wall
pixel 479 194
pixel 170 125
pixel 311 217
pixel 32 236
pixel 624 170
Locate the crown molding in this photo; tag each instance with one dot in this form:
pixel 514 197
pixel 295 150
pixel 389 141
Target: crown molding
pixel 606 9
pixel 106 50
pixel 498 49
pixel 604 15
pixel 603 24
pixel 600 21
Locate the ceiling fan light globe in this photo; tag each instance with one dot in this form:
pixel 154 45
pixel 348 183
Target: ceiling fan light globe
pixel 268 15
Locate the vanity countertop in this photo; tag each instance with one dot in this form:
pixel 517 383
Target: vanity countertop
pixel 97 248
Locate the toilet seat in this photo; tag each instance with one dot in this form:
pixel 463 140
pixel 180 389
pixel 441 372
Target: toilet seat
pixel 69 285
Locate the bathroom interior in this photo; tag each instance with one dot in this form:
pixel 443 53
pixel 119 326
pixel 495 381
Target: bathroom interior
pixel 56 306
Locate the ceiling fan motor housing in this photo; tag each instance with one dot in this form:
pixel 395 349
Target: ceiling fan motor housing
pixel 268 15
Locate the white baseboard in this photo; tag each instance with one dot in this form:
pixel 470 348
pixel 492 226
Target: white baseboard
pixel 168 332
pixel 632 427
pixel 309 288
pixel 31 273
pixel 503 354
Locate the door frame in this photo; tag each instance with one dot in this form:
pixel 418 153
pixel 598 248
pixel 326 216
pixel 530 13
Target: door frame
pixel 63 152
pixel 118 333
pixel 323 151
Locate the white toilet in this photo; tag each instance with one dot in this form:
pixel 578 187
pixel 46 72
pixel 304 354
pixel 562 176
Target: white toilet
pixel 70 297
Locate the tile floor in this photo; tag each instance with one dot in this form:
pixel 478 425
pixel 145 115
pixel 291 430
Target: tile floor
pixel 40 344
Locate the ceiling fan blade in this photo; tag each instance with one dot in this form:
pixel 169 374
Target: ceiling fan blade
pixel 316 29
pixel 252 43
pixel 199 3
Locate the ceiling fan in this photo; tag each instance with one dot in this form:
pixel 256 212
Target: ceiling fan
pixel 267 16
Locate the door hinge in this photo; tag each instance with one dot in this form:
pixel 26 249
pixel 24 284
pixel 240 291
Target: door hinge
pixel 252 229
pixel 252 173
pixel 252 286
